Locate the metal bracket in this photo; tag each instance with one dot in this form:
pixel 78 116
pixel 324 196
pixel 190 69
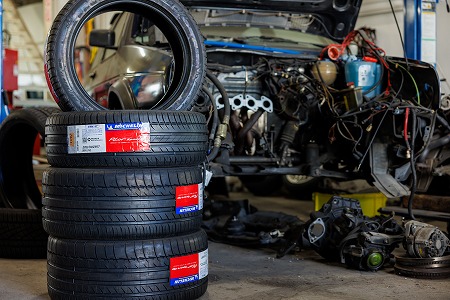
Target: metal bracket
pixel 379 165
pixel 239 101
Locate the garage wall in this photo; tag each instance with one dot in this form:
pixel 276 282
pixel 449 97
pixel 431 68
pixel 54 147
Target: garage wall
pixel 377 14
pixel 443 45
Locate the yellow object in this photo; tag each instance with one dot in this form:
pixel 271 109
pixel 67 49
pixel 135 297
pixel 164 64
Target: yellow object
pixel 370 202
pixel 325 71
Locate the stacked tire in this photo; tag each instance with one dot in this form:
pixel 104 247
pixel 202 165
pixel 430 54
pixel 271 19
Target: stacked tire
pixel 123 205
pixel 123 196
pixel 21 231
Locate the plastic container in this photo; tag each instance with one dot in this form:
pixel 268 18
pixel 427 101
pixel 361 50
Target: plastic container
pixel 364 74
pixel 370 202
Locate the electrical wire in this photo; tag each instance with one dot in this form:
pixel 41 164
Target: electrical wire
pixel 373 139
pixel 413 165
pixel 413 80
pixel 405 130
pixel 400 32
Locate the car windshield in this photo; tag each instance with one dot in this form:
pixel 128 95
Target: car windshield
pixel 265 36
pixel 267 29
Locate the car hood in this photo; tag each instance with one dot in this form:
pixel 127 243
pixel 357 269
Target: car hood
pixel 333 19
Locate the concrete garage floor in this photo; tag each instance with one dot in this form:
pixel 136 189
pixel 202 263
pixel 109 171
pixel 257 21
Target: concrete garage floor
pixel 255 274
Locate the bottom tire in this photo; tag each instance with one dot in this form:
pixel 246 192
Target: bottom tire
pixel 22 234
pixel 170 268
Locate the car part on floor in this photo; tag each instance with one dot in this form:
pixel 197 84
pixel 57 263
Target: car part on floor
pixel 340 231
pixel 115 204
pixel 369 250
pixel 239 223
pixel 423 240
pixel 21 234
pixel 18 133
pixel 169 268
pixel 435 267
pixel 171 17
pixel 328 226
pixel 140 138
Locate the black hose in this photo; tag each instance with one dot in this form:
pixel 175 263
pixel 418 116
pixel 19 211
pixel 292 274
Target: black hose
pixel 443 121
pixel 226 116
pixel 215 122
pixel 433 145
pixel 213 154
pixel 222 91
pixel 439 142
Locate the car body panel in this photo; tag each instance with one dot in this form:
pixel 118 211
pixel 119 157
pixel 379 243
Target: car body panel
pixel 333 18
pixel 145 68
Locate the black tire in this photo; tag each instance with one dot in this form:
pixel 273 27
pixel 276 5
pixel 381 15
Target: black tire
pixel 300 186
pixel 169 15
pixel 118 203
pixel 18 132
pixel 22 234
pixel 175 139
pixel 136 269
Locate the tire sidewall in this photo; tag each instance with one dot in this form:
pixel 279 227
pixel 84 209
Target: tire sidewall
pixel 59 63
pixel 18 132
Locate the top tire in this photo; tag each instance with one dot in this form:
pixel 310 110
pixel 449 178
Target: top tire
pixel 170 16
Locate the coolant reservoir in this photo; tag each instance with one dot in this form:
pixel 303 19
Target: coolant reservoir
pixel 327 70
pixel 364 74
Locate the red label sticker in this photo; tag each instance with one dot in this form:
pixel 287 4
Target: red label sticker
pixel 187 198
pixel 127 137
pixel 184 269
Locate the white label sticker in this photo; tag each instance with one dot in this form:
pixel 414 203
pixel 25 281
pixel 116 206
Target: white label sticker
pixel 363 75
pixel 200 196
pixel 203 261
pixel 86 138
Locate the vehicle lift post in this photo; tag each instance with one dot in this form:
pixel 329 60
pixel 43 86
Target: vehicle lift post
pixel 4 111
pixel 420 30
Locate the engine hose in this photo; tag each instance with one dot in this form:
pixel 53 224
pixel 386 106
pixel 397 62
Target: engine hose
pixel 223 127
pixel 213 154
pixel 433 145
pixel 223 92
pixel 240 140
pixel 443 121
pixel 215 122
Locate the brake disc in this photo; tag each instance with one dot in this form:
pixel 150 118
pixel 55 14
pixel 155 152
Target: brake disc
pixel 435 267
